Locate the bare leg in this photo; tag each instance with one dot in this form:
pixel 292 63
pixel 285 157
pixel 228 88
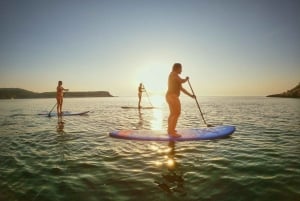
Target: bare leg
pixel 175 108
pixel 57 105
pixel 61 103
pixel 140 98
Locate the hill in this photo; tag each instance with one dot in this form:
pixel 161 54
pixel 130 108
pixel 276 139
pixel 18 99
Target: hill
pixel 292 93
pixel 8 93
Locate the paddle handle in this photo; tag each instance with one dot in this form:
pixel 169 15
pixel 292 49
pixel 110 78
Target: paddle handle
pixel 197 103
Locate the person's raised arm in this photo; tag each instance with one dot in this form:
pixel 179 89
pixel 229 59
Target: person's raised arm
pixel 187 93
pixel 180 80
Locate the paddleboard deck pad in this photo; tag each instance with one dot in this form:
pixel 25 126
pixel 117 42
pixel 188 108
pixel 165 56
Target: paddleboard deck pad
pixel 193 134
pixel 65 113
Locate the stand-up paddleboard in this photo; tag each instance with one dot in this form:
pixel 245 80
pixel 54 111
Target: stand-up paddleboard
pixel 65 113
pixel 208 133
pixel 131 107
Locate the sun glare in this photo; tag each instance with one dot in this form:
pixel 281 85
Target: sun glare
pixel 157 120
pixel 154 79
pixel 170 162
pixel 158 101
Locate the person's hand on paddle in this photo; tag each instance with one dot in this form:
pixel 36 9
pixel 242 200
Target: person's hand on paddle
pixel 65 91
pixel 186 92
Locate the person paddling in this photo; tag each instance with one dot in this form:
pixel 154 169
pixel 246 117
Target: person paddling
pixel 59 97
pixel 141 89
pixel 172 98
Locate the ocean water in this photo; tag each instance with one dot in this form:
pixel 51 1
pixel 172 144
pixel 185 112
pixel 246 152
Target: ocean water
pixel 40 161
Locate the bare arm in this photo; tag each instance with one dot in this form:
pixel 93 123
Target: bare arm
pixel 179 79
pixel 186 92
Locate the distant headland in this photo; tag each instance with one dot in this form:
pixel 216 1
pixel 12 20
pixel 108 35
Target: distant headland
pixel 292 93
pixel 17 93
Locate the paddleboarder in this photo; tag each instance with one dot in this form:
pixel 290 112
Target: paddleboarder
pixel 172 97
pixel 59 97
pixel 141 89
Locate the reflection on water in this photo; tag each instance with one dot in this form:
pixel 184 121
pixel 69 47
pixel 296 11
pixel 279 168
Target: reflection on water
pixel 140 121
pixel 60 125
pixel 61 139
pixel 157 120
pixel 172 180
pixel 152 119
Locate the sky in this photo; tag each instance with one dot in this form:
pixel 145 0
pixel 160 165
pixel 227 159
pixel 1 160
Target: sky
pixel 226 47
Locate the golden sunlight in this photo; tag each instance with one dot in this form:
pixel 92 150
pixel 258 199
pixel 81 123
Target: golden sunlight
pixel 154 78
pixel 157 120
pixel 170 162
pixel 158 163
pixel 158 101
pixel 154 148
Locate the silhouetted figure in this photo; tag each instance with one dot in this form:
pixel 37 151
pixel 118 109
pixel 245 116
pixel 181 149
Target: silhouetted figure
pixel 59 97
pixel 141 89
pixel 172 97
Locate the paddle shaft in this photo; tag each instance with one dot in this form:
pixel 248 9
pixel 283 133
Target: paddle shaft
pixel 148 97
pixel 49 115
pixel 197 104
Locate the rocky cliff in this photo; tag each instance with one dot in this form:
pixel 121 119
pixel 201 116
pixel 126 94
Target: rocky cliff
pixel 292 93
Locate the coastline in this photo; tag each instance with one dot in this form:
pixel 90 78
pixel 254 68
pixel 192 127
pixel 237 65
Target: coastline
pixel 18 93
pixel 292 93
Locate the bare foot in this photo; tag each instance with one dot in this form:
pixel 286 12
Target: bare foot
pixel 176 135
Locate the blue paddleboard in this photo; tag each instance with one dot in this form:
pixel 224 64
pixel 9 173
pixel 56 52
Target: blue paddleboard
pixel 208 133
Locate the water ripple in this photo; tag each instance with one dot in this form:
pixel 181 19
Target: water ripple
pixel 40 161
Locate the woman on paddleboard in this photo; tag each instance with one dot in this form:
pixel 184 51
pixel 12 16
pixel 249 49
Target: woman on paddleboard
pixel 59 97
pixel 172 97
pixel 140 92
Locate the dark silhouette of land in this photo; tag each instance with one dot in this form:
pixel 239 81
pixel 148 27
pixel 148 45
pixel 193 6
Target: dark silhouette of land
pixel 17 93
pixel 292 93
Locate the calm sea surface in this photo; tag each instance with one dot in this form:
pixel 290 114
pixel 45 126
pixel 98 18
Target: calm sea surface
pixel 260 161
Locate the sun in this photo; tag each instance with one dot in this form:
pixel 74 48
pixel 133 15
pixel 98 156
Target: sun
pixel 154 79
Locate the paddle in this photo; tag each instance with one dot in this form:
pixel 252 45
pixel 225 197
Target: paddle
pixel 148 97
pixel 49 115
pixel 208 125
